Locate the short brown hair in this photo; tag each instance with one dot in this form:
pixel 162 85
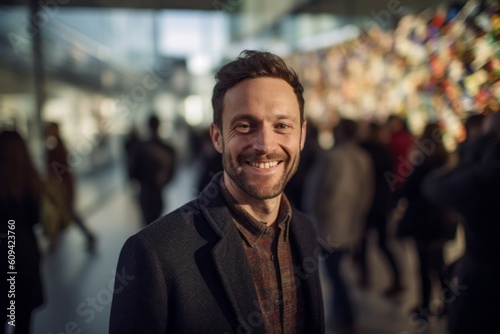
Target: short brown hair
pixel 252 64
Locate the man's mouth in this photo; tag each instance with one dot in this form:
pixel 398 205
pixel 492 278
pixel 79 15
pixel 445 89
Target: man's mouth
pixel 265 165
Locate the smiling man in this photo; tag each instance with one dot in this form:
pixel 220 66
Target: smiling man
pixel 239 258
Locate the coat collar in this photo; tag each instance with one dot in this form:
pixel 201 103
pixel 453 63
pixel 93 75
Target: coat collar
pixel 230 258
pixel 233 268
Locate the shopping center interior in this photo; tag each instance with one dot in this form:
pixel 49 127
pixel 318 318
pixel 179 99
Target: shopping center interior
pixel 100 68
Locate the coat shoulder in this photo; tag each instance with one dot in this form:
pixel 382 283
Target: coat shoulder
pixel 180 228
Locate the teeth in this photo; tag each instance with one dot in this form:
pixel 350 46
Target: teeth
pixel 264 164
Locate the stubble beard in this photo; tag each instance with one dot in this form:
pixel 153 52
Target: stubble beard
pixel 235 172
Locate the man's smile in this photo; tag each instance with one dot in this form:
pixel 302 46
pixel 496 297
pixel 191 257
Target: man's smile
pixel 265 165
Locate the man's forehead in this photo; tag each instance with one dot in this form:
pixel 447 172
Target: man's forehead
pixel 236 116
pixel 261 90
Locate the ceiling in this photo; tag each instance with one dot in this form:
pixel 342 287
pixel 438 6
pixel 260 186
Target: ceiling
pixel 145 4
pixel 340 7
pixel 367 7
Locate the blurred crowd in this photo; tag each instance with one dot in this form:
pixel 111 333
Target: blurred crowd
pixel 29 197
pixel 413 117
pixel 434 65
pixel 378 177
pixel 382 178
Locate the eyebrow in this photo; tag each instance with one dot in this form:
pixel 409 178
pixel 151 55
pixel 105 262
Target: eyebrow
pixel 249 117
pixel 287 117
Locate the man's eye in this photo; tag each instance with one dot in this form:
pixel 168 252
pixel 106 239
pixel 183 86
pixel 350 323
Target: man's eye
pixel 243 127
pixel 282 126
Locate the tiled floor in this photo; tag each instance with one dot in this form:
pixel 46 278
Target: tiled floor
pixel 78 285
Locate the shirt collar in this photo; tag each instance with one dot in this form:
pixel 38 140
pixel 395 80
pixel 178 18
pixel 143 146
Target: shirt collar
pixel 251 228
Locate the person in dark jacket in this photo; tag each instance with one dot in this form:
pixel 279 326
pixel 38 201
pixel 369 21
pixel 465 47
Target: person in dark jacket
pixel 295 189
pixel 153 163
pixel 473 125
pixel 238 259
pixel 20 197
pixel 423 221
pixel 131 142
pixel 490 131
pixel 379 212
pixel 473 191
pixel 211 162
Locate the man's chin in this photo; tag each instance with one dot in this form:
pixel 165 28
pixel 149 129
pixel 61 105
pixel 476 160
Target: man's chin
pixel 262 192
pixel 260 187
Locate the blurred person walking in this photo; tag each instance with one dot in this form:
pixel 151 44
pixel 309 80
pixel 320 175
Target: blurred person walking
pixel 473 130
pixel 60 175
pixel 378 215
pixel 339 196
pixel 425 223
pixel 20 198
pixel 473 191
pixel 238 258
pixel 131 142
pixel 490 132
pixel 153 164
pixel 467 153
pixel 295 188
pixel 210 160
pixel 400 143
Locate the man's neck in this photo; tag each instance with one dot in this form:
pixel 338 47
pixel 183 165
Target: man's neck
pixel 264 210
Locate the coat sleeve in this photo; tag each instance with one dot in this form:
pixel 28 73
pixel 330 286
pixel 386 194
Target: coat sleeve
pixel 140 293
pixel 453 188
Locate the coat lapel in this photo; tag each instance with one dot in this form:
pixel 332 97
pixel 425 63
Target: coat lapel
pixel 307 271
pixel 232 265
pixel 234 271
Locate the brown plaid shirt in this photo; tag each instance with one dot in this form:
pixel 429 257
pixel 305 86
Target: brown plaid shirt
pixel 270 258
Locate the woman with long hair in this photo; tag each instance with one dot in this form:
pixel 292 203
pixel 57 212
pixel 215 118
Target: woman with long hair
pixel 20 194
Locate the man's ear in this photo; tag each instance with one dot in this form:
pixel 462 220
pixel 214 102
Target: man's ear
pixel 303 134
pixel 216 136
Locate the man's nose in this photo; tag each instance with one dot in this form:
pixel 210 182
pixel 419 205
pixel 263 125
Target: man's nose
pixel 264 140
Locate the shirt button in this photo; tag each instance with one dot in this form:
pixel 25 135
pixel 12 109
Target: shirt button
pixel 272 257
pixel 277 302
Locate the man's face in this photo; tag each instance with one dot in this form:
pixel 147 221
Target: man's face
pixel 262 137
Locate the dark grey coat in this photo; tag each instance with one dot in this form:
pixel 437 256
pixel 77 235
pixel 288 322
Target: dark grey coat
pixel 188 273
